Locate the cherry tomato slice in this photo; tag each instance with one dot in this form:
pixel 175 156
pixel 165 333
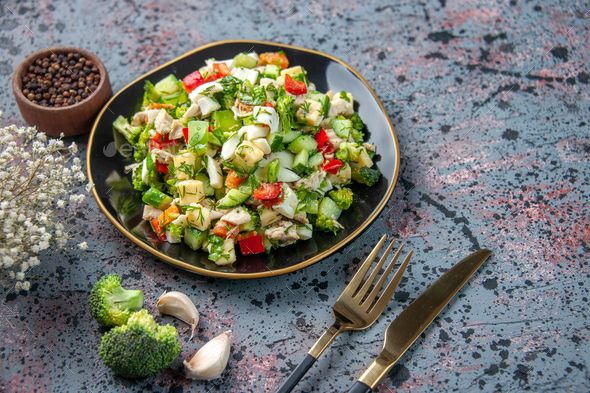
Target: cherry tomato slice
pixel 268 191
pixel 294 87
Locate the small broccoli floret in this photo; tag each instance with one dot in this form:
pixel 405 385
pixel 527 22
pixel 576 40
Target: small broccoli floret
pixel 366 176
pixel 327 224
pixel 342 197
pixel 140 348
pixel 141 146
pixel 138 183
pixel 111 304
pixel 357 128
pixel 131 133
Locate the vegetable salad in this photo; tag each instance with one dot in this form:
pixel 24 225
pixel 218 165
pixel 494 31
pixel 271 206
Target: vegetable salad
pixel 245 153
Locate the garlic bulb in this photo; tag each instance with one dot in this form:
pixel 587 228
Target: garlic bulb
pixel 210 361
pixel 178 305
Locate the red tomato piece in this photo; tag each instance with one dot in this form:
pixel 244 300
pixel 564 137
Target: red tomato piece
pixel 224 229
pixel 192 81
pixel 221 69
pixel 272 202
pixel 158 229
pixel 185 133
pixel 321 137
pixel 294 86
pixel 251 244
pixel 269 104
pixel 162 168
pixel 276 58
pixel 268 191
pixel 333 166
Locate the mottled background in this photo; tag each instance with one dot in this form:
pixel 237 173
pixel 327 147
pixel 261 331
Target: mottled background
pixel 491 104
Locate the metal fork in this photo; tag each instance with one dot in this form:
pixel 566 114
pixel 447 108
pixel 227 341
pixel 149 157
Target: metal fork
pixel 359 305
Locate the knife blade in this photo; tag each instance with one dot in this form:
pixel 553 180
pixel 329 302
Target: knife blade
pixel 411 322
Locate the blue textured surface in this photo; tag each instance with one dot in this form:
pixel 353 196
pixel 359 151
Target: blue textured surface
pixel 491 104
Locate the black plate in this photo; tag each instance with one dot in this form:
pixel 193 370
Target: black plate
pixel 122 206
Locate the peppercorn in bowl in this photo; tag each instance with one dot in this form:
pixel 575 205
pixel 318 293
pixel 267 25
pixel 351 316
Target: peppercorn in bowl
pixel 60 90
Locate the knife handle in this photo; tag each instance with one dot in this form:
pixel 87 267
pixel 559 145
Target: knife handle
pixel 360 387
pixel 297 374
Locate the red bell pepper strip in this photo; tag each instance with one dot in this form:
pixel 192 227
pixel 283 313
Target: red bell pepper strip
pixel 251 244
pixel 161 142
pixel 268 191
pixel 158 229
pixel 185 133
pixel 333 166
pixel 192 81
pixel 294 86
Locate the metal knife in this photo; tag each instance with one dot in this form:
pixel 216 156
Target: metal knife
pixel 411 322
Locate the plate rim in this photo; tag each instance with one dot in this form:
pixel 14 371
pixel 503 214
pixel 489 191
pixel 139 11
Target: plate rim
pixel 269 273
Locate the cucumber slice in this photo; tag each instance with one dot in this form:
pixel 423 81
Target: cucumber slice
pixel 156 198
pixel 329 208
pixel 289 136
pixel 272 171
pixel 225 121
pixel 284 157
pixel 194 238
pixel 271 71
pixel 300 162
pixel 245 61
pixel 234 197
pixel 287 176
pixel 305 231
pixel 315 160
pixel 167 85
pixel 209 191
pixel 303 142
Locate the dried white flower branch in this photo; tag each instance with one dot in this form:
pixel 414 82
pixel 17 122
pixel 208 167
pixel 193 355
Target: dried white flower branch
pixel 38 176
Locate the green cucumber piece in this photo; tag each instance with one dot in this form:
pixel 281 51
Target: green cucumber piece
pixel 271 71
pixel 225 121
pixel 209 191
pixel 290 136
pixel 234 197
pixel 156 198
pixel 315 160
pixel 303 142
pixel 329 208
pixel 300 162
pixel 244 61
pixel 194 238
pixel 272 170
pixel 168 85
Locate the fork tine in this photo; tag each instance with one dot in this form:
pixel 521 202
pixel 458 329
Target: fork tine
pixel 370 299
pixel 360 274
pixel 383 300
pixel 369 281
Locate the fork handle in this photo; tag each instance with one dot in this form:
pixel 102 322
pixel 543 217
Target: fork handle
pixel 360 387
pixel 297 374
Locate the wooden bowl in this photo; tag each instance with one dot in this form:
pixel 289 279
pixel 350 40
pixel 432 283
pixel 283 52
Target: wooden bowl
pixel 71 120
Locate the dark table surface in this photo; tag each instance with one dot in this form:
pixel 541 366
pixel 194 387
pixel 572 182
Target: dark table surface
pixel 491 105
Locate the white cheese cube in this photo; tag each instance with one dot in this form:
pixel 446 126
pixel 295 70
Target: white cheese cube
pixel 341 104
pixel 199 217
pixel 268 216
pixel 187 159
pixel 292 71
pixel 254 131
pixel 249 154
pixel 190 191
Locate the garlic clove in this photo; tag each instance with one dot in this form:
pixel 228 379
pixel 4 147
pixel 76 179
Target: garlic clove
pixel 210 361
pixel 178 305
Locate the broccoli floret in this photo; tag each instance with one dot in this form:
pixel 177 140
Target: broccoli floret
pixel 357 128
pixel 140 348
pixel 141 145
pixel 366 176
pixel 327 224
pixel 131 133
pixel 342 197
pixel 138 183
pixel 111 304
pixel 150 94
